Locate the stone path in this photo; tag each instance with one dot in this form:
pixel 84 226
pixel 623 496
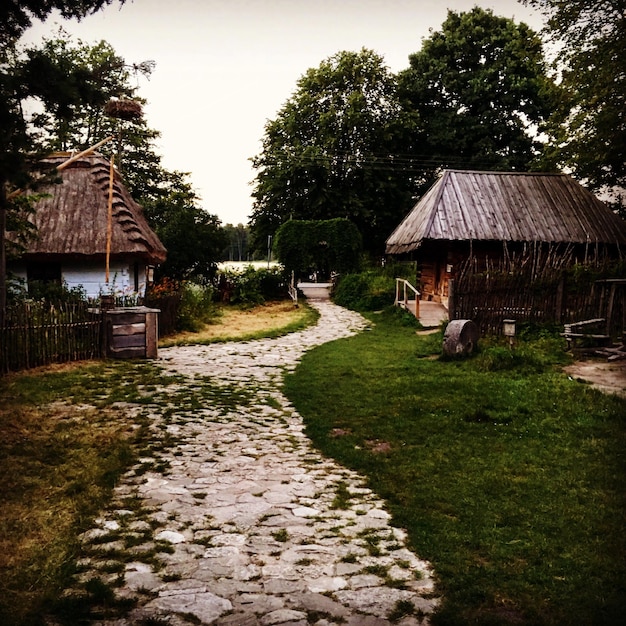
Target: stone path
pixel 236 520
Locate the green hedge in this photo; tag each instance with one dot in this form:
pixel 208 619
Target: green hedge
pixel 324 246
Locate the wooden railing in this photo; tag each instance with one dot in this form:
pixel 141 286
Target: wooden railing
pixel 407 296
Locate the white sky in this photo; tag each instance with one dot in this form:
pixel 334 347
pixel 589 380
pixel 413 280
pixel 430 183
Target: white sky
pixel 225 67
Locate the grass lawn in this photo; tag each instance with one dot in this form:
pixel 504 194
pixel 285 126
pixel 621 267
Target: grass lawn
pixel 509 477
pixel 233 323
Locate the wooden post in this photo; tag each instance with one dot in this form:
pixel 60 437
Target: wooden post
pixel 451 295
pixel 609 311
pixel 82 154
pixel 109 221
pixel 560 290
pixel 152 334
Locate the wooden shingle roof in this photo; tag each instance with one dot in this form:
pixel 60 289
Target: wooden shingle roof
pixel 71 219
pixel 507 206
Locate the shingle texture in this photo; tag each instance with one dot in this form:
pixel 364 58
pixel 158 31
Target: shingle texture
pixel 497 206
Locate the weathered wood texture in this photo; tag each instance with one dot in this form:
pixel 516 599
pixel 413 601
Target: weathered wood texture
pixel 505 206
pixel 556 296
pixel 131 333
pixel 37 334
pixel 169 306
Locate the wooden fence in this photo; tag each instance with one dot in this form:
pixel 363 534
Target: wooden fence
pixel 41 333
pixel 168 306
pixel 554 297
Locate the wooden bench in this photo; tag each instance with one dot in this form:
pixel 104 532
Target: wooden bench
pixel 576 330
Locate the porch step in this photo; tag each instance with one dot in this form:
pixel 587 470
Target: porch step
pixel 432 314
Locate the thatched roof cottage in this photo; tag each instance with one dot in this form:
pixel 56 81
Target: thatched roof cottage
pixel 72 222
pixel 488 214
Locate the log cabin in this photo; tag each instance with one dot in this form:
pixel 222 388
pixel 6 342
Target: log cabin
pixel 486 215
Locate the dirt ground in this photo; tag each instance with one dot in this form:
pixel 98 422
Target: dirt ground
pixel 609 377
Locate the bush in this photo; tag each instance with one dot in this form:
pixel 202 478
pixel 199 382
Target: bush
pixel 46 291
pixel 196 307
pixel 368 291
pixel 253 286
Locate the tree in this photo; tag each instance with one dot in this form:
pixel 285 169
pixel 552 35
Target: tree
pixel 327 153
pixel 590 124
pixel 477 92
pixel 322 246
pixel 16 17
pixel 237 247
pixel 75 111
pixel 193 237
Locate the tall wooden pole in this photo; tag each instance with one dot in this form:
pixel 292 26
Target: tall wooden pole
pixel 109 220
pixel 3 256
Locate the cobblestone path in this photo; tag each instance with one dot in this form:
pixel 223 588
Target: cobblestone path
pixel 233 521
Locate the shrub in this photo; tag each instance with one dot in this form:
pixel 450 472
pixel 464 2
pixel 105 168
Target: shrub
pixel 196 307
pixel 46 291
pixel 254 286
pixel 368 291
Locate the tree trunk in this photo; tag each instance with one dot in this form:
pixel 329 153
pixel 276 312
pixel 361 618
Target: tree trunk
pixel 3 254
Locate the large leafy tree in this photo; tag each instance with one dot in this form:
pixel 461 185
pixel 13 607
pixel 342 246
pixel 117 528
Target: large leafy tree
pixel 74 111
pixel 327 153
pixel 590 124
pixel 477 91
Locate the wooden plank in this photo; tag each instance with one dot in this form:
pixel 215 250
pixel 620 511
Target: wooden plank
pixel 126 341
pixel 152 335
pixel 128 353
pixel 126 317
pixel 129 329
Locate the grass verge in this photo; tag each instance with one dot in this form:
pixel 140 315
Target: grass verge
pixel 508 476
pixel 272 319
pixel 63 446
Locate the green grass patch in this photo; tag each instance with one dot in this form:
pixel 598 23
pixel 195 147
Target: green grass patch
pixel 68 433
pixel 508 476
pixel 245 324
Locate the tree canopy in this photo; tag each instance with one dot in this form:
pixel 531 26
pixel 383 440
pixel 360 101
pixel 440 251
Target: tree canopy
pixel 193 237
pixel 590 123
pixel 478 91
pixel 16 17
pixel 326 154
pixel 357 142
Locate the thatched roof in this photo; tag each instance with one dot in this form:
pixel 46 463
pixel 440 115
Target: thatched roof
pixel 505 206
pixel 72 218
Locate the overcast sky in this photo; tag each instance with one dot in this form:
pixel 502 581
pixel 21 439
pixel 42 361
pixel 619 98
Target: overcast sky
pixel 224 67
